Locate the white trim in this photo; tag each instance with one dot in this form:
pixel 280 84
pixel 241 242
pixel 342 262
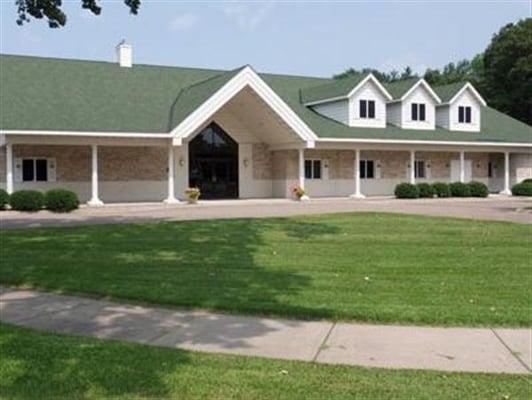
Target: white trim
pixel 246 77
pixel 429 142
pixel 376 81
pixel 142 135
pixel 426 85
pixel 473 90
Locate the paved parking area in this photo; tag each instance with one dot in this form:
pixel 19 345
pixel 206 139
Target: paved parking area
pixel 497 208
pixel 387 346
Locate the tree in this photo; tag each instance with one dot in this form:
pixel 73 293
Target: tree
pixel 508 70
pixel 51 9
pixel 385 77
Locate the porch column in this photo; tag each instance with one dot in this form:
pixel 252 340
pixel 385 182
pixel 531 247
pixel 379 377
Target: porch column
pixel 506 190
pixel 302 172
pixel 9 168
pixel 95 200
pixel 358 193
pixel 170 199
pixel 462 166
pixel 412 167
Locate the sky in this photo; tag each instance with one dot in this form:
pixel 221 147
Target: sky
pixel 316 38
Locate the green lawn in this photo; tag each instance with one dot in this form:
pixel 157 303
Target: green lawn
pixel 366 267
pixel 42 365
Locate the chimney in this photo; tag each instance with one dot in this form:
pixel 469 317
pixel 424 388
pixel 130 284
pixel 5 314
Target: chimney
pixel 124 54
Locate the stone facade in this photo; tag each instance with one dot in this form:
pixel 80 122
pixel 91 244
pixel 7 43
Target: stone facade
pixel 146 163
pixel 285 164
pixel 392 164
pixel 262 161
pixel 340 162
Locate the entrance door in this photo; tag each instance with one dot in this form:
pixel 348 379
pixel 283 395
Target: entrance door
pixel 455 170
pixel 213 164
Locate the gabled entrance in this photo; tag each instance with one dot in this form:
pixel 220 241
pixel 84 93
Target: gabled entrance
pixel 213 163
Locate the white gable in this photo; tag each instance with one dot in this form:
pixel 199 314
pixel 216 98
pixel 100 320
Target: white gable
pixel 420 95
pixel 466 98
pixel 369 90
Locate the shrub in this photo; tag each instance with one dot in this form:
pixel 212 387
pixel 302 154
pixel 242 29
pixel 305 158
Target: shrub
pixel 425 190
pixel 61 200
pixel 4 199
pixel 527 180
pixel 192 194
pixel 26 200
pixel 522 189
pixel 441 189
pixel 406 191
pixel 478 189
pixel 459 189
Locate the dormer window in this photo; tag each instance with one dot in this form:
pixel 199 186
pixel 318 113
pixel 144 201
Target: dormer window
pixel 367 109
pixel 464 114
pixel 418 112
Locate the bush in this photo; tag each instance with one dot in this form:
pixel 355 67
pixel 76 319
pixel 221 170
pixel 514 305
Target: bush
pixel 441 189
pixel 425 190
pixel 406 191
pixel 4 199
pixel 61 200
pixel 478 189
pixel 522 189
pixel 459 189
pixel 527 180
pixel 26 200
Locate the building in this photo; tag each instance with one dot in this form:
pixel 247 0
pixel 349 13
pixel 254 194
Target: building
pixel 117 132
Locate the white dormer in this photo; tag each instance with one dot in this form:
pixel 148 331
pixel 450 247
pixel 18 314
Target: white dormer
pixel 414 105
pixel 358 101
pixel 461 109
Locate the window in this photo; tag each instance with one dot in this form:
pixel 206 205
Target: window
pixel 464 114
pixel 418 112
pixel 34 169
pixel 367 109
pixel 419 169
pixel 367 169
pixel 312 169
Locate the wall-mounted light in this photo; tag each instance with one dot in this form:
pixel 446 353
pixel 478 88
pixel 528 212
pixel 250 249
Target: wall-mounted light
pixel 246 162
pixel 181 162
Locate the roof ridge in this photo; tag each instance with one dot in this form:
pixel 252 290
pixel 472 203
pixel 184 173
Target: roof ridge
pixel 212 78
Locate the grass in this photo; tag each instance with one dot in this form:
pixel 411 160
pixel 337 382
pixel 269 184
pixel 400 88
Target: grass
pixel 44 365
pixel 367 267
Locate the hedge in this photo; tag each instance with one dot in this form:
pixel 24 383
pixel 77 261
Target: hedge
pixel 4 199
pixel 406 191
pixel 61 200
pixel 425 190
pixel 459 189
pixel 26 200
pixel 441 189
pixel 478 189
pixel 522 189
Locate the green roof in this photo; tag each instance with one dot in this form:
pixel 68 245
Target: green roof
pixel 447 92
pixel 71 95
pixel 332 89
pixel 399 88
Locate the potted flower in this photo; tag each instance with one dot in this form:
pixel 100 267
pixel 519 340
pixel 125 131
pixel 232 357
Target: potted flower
pixel 300 193
pixel 192 195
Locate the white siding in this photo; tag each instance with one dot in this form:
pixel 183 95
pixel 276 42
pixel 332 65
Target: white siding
pixel 337 110
pixel 419 95
pixel 393 113
pixel 465 99
pixel 369 91
pixel 442 116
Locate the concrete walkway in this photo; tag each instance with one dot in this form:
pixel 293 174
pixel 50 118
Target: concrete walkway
pixel 497 208
pixel 446 349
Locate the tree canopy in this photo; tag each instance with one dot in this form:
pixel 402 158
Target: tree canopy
pixel 53 12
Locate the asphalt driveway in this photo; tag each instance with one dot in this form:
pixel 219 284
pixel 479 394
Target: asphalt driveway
pixel 496 208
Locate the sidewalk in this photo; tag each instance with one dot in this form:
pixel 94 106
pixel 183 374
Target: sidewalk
pixel 446 349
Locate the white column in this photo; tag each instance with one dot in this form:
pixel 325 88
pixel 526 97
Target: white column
pixel 9 168
pixel 462 167
pixel 170 199
pixel 412 167
pixel 358 193
pixel 95 200
pixel 302 172
pixel 506 174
